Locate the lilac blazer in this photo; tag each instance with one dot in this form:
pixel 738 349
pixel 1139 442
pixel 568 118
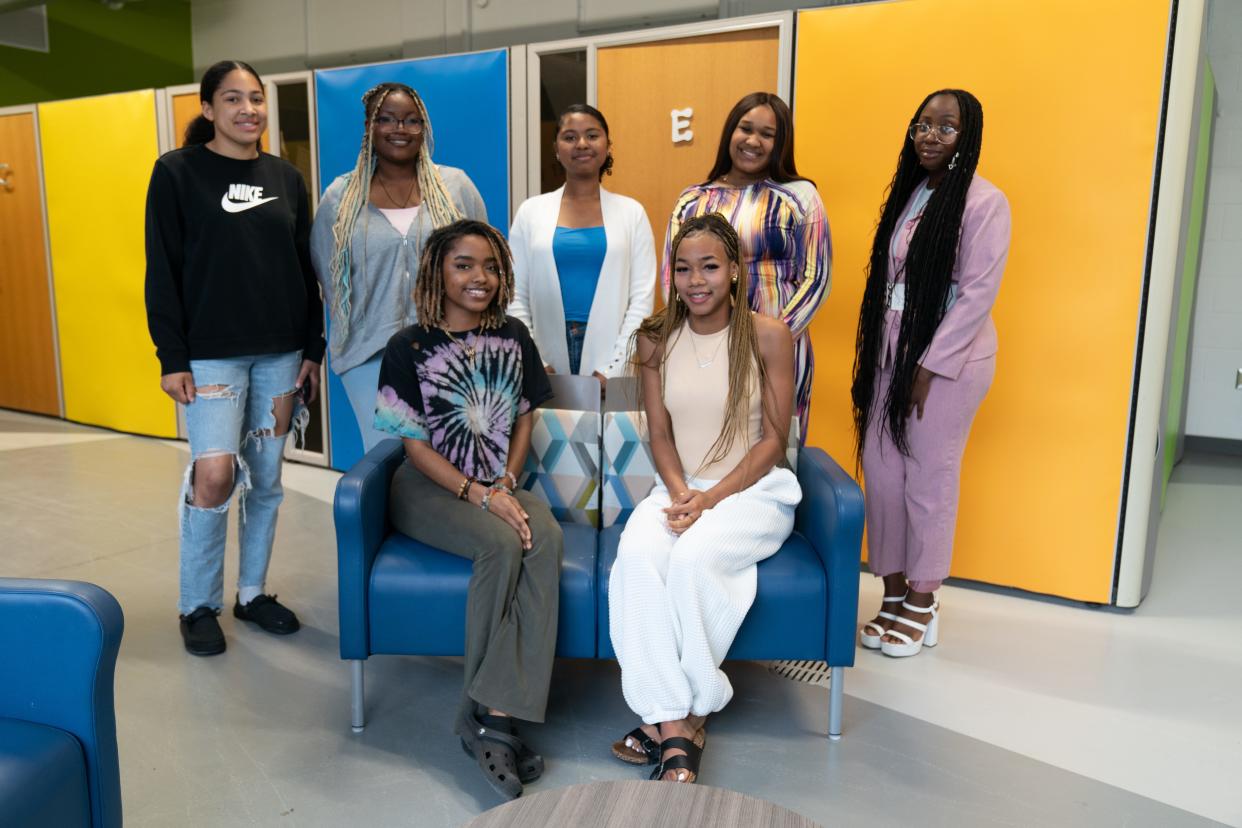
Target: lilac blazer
pixel 966 333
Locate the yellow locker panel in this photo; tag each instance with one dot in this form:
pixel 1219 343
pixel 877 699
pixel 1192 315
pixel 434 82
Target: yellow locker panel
pixel 97 159
pixel 1071 94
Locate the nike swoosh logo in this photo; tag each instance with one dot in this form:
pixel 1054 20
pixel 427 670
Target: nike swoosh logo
pixel 239 206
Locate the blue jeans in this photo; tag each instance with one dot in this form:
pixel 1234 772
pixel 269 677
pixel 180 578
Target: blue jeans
pixel 232 414
pixel 575 333
pixel 361 386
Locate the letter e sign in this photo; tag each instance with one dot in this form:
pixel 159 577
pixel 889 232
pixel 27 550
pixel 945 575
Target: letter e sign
pixel 681 125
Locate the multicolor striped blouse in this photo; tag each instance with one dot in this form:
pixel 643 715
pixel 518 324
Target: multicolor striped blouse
pixel 787 248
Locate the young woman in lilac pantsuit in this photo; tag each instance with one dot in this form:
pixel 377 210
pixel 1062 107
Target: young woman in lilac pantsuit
pixel 926 353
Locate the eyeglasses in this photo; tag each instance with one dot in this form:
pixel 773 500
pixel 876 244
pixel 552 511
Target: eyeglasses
pixel 388 123
pixel 942 134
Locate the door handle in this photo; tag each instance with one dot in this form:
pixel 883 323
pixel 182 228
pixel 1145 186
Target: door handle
pixel 4 182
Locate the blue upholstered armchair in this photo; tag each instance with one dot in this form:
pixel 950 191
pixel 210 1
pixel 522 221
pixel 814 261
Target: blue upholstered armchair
pixel 398 596
pixel 58 756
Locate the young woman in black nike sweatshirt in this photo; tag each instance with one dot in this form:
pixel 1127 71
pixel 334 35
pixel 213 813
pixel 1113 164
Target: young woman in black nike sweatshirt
pixel 235 314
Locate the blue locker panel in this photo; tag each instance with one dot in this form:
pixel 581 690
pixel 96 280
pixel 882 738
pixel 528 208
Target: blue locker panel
pixel 467 98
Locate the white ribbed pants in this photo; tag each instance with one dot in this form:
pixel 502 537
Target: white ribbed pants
pixel 675 603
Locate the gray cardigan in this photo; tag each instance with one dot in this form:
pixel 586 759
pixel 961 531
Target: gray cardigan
pixel 385 264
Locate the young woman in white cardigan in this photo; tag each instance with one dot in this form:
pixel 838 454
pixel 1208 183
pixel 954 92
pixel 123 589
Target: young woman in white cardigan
pixel 583 258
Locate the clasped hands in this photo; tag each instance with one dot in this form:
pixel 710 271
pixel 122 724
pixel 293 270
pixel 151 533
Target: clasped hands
pixel 686 508
pixel 505 506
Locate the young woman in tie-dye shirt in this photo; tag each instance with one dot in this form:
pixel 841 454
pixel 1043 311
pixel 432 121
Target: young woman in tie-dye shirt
pixel 780 219
pixel 460 388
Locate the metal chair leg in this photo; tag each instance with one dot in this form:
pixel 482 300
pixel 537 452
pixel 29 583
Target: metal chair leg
pixel 357 716
pixel 836 694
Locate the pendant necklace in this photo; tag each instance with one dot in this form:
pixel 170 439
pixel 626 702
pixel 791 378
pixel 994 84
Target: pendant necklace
pixel 404 204
pixel 694 345
pixel 468 349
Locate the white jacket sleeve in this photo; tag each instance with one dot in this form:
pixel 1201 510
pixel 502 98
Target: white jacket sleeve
pixel 519 245
pixel 642 289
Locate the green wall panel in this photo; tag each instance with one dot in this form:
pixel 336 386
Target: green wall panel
pixel 95 50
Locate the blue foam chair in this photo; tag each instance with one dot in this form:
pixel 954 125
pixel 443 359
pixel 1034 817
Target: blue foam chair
pixel 58 755
pixel 398 596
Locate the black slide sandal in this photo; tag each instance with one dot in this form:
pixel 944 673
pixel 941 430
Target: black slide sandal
pixel 690 761
pixel 647 752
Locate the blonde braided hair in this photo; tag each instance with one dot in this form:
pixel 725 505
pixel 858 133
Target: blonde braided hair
pixel 436 198
pixel 746 366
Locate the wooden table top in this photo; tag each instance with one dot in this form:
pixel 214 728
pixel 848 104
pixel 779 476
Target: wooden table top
pixel 633 803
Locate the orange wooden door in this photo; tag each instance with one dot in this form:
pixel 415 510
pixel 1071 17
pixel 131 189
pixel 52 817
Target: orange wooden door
pixel 27 347
pixel 186 107
pixel 639 85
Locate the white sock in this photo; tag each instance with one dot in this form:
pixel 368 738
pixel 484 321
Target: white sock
pixel 247 594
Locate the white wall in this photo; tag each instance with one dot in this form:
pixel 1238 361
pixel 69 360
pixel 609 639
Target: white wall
pixel 1214 408
pixel 287 35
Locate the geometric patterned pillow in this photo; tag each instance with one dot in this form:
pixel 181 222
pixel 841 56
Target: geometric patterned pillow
pixel 562 466
pixel 629 471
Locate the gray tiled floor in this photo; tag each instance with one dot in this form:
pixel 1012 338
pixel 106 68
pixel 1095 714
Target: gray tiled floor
pixel 259 736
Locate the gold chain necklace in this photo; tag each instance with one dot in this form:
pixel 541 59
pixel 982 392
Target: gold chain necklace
pixel 724 179
pixel 469 350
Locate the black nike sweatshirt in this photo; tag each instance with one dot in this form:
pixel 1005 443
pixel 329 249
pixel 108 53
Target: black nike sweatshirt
pixel 228 259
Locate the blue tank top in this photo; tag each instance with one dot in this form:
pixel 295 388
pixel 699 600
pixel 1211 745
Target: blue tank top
pixel 579 255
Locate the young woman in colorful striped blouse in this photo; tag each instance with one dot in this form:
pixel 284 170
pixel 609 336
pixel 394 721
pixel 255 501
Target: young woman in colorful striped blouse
pixel 779 216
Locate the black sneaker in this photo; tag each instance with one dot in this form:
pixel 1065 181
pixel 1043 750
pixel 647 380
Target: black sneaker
pixel 269 614
pixel 201 632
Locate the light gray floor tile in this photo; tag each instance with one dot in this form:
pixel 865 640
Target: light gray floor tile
pixel 260 736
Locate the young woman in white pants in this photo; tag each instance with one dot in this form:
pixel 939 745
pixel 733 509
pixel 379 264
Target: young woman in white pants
pixel 717 387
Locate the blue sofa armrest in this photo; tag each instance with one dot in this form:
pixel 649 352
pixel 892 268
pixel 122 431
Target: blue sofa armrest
pixel 58 647
pixel 361 513
pixel 831 518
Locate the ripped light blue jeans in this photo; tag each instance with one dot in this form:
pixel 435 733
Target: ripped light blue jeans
pixel 232 414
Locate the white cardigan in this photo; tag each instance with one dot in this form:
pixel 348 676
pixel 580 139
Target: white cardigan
pixel 623 295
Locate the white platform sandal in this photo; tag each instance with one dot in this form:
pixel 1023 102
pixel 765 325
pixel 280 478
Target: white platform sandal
pixel 872 642
pixel 909 647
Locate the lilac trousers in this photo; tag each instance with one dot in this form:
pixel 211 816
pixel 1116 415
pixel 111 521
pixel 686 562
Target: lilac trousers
pixel 912 501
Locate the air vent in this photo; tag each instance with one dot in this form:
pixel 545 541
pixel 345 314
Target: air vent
pixel 807 672
pixel 25 29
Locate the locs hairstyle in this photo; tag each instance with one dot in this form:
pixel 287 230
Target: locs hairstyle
pixel 436 199
pixel 781 167
pixel 429 286
pixel 928 273
pixel 587 109
pixel 200 130
pixel 745 360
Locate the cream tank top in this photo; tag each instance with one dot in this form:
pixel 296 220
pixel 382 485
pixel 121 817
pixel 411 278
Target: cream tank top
pixel 696 389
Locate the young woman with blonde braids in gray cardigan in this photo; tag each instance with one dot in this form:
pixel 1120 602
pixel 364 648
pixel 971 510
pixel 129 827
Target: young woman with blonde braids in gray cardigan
pixel 369 233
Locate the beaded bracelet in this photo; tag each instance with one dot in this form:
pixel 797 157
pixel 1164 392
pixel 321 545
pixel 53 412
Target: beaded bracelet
pixel 512 479
pixel 463 491
pixel 486 505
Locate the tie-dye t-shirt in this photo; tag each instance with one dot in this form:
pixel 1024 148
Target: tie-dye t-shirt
pixel 430 390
